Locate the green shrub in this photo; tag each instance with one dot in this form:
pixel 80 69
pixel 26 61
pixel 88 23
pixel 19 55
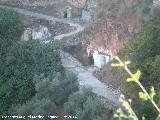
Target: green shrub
pixel 23 61
pixel 57 88
pixel 146 9
pixel 85 106
pixel 43 107
pixel 144 110
pixel 49 92
pixel 11 29
pixel 142 49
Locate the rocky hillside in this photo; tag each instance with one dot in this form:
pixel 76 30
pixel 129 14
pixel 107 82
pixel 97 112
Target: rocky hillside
pixel 114 22
pixel 117 21
pixel 113 25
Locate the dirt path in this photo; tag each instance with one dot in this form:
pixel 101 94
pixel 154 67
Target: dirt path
pixel 78 27
pixel 85 77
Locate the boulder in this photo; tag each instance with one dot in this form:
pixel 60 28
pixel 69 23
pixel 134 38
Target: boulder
pixel 27 35
pixel 41 33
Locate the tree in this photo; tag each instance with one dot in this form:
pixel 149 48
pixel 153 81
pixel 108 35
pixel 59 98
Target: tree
pixel 35 107
pixel 143 49
pixel 11 29
pixel 23 61
pixel 48 92
pixel 85 106
pixel 145 112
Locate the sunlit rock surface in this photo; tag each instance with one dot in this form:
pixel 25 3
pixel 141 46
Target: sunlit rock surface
pixel 115 31
pixel 40 33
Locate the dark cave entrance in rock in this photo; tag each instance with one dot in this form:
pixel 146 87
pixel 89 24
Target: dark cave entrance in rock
pixel 91 60
pixel 44 22
pixel 65 14
pixel 78 52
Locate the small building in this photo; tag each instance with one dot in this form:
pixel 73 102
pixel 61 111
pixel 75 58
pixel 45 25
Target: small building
pixel 99 59
pixel 86 15
pixel 68 12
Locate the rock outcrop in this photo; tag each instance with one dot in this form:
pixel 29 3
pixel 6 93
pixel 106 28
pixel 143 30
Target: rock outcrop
pixel 40 33
pixel 156 3
pixel 113 35
pixel 118 22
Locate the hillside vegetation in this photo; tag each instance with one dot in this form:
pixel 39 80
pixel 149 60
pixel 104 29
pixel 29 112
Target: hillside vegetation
pixel 33 80
pixel 143 51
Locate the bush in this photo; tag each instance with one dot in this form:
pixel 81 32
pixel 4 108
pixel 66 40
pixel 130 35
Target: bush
pixel 148 111
pixel 57 88
pixel 85 106
pixel 48 92
pixel 146 9
pixel 144 110
pixel 23 61
pixel 34 58
pixel 11 29
pixel 41 103
pixel 44 107
pixel 144 51
pixel 143 47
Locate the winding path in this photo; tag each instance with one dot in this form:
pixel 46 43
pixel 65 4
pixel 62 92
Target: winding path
pixel 78 27
pixel 85 77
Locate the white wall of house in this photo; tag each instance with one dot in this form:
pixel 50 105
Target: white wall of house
pixel 100 60
pixel 86 15
pixel 69 12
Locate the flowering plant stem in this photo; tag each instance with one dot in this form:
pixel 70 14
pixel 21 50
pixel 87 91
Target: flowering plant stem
pixel 135 78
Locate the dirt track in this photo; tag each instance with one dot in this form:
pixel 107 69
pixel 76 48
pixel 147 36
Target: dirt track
pixel 85 77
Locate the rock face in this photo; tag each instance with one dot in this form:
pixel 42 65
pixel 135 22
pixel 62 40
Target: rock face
pixel 156 3
pixel 113 35
pixel 41 33
pixel 118 26
pixel 27 35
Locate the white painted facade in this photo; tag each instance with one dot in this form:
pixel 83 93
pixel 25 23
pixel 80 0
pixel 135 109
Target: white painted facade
pixel 86 15
pixel 69 12
pixel 100 60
